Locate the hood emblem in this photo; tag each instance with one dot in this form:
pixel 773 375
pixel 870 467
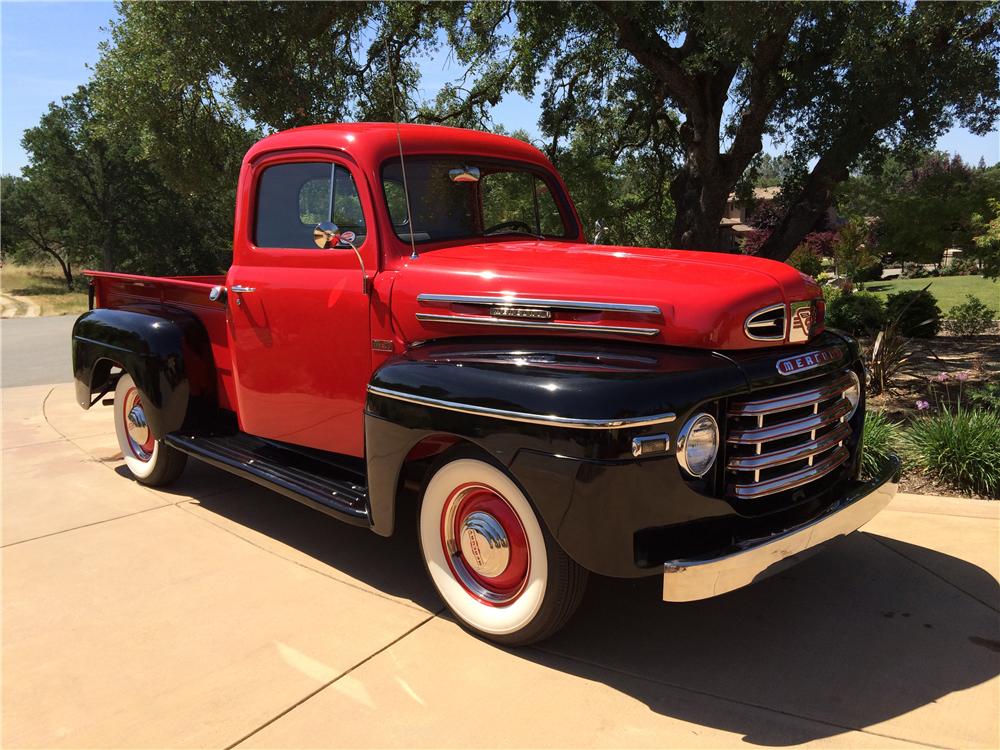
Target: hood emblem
pixel 808 361
pixel 528 313
pixel 803 317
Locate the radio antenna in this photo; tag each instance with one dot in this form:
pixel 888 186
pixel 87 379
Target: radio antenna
pixel 402 165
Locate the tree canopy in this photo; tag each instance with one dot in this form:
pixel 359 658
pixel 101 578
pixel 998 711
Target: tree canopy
pixel 654 112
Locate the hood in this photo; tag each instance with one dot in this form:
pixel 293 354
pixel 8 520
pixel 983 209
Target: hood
pixel 674 297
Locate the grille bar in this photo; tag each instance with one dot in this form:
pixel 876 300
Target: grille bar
pixel 792 401
pixel 788 439
pixel 762 461
pixel 796 479
pixel 789 429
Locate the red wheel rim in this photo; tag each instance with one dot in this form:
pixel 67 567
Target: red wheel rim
pixel 485 544
pixel 137 433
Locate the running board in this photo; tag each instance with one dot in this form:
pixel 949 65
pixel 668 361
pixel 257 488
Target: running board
pixel 321 486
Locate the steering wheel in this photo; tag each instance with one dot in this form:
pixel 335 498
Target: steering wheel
pixel 515 225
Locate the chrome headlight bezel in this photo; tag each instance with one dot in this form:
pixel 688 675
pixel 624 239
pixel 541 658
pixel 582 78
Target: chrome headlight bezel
pixel 696 429
pixel 854 388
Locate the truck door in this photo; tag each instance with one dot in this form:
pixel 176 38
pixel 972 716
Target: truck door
pixel 298 315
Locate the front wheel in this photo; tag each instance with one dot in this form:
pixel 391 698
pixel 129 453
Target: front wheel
pixel 494 564
pixel 151 461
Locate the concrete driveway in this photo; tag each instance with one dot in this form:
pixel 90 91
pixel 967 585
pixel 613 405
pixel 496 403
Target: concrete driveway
pixel 219 615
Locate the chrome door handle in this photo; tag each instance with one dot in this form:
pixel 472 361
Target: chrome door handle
pixel 242 289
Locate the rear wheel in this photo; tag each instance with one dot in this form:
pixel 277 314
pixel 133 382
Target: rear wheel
pixel 151 461
pixel 491 559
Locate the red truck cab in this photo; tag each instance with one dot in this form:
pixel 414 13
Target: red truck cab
pixel 413 315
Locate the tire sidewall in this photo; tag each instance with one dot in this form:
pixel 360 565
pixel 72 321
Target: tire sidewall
pixel 490 620
pixel 139 468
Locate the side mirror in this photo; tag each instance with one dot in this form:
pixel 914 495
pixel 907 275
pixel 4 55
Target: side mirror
pixel 599 229
pixel 326 234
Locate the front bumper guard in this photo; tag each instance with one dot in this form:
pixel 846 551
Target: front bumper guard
pixel 690 580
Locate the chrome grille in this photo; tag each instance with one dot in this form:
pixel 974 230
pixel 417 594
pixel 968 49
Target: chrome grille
pixel 788 439
pixel 767 324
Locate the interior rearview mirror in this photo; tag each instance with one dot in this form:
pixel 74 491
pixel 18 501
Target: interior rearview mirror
pixel 464 174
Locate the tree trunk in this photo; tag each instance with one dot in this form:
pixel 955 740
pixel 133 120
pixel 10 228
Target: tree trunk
pixel 699 208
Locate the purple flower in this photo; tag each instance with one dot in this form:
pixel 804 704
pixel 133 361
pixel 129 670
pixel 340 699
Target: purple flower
pixel 941 377
pixel 923 405
pixel 961 377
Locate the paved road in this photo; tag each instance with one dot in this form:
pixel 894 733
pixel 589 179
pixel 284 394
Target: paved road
pixel 35 350
pixel 214 614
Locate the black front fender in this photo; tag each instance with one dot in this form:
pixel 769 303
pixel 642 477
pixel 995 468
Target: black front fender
pixel 165 351
pixel 544 409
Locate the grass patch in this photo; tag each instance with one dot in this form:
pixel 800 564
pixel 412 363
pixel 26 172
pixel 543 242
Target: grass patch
pixel 43 286
pixel 881 439
pixel 948 290
pixel 962 449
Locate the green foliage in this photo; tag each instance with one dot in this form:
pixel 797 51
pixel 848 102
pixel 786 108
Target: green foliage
pixel 89 197
pixel 888 356
pixel 674 98
pixel 916 311
pixel 960 448
pixel 853 250
pixel 986 243
pixel 970 318
pixel 881 440
pixel 984 396
pixel 806 261
pixel 857 313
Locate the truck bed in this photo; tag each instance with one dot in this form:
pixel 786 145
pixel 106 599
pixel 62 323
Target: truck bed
pixel 190 293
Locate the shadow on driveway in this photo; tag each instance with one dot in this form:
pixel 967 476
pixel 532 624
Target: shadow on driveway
pixel 851 638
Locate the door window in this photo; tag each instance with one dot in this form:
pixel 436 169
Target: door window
pixel 293 198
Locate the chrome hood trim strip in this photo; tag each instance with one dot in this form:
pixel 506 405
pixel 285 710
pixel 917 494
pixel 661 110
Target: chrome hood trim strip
pixel 551 304
pixel 548 420
pixel 549 326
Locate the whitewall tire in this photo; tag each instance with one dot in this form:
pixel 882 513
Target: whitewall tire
pixel 150 460
pixel 490 558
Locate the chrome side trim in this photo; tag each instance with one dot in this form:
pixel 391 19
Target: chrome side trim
pixel 549 420
pixel 693 579
pixel 751 323
pixel 552 304
pixel 551 326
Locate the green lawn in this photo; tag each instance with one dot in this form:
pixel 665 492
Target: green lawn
pixel 949 290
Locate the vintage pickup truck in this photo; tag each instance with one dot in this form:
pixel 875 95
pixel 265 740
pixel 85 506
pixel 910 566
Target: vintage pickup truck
pixel 413 322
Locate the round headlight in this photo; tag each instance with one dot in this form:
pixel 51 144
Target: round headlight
pixel 853 393
pixel 698 444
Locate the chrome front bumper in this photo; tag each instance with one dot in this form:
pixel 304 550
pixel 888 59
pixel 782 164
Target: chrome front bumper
pixel 689 580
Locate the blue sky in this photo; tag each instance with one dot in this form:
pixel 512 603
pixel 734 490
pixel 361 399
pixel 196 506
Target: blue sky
pixel 46 48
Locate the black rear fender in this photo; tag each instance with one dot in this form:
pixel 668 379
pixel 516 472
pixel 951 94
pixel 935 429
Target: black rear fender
pixel 166 351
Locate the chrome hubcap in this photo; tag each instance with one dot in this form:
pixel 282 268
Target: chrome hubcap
pixel 140 439
pixel 484 543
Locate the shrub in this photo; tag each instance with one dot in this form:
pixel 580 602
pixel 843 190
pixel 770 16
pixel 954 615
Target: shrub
pixel 881 439
pixel 962 449
pixel 889 355
pixel 970 318
pixel 872 272
pixel 916 311
pixel 806 260
pixel 984 396
pixel 858 313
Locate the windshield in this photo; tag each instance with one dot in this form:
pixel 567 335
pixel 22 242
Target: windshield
pixel 465 197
